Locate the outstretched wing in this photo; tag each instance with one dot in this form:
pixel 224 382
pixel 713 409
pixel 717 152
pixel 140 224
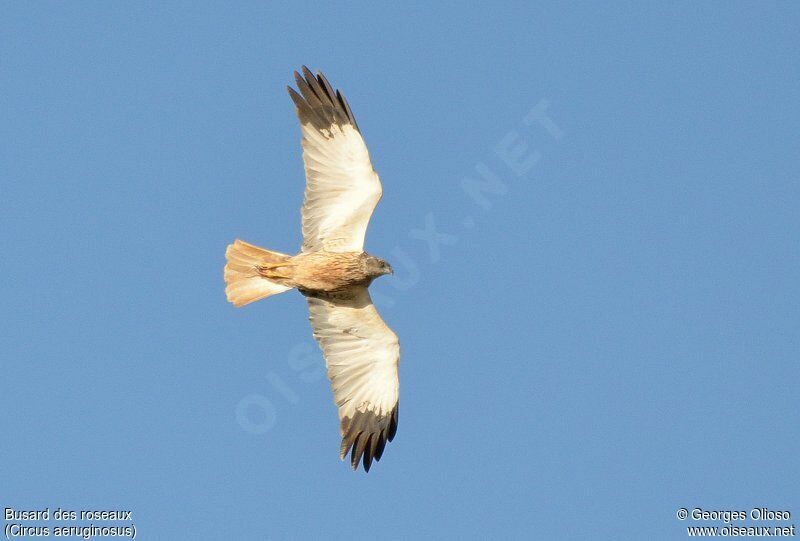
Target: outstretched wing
pixel 342 189
pixel 362 354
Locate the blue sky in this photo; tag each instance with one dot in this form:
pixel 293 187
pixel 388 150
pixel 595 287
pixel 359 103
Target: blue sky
pixel 605 333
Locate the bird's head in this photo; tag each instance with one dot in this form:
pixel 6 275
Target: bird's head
pixel 378 267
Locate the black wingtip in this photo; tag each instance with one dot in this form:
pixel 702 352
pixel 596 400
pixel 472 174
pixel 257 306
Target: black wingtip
pixel 319 102
pixel 365 435
pixel 393 423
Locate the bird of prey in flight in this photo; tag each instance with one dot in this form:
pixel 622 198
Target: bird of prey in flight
pixel 332 270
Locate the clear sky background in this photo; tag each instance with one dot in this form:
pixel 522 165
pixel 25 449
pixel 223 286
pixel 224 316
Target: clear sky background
pixel 606 333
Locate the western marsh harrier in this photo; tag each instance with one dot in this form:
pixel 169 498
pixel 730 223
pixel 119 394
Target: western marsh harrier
pixel 333 271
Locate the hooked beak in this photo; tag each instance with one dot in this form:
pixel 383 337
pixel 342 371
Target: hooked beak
pixel 389 269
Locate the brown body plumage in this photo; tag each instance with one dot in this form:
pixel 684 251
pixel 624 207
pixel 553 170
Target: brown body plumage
pixel 253 273
pixel 325 272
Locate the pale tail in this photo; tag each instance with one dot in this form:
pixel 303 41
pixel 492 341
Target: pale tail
pixel 244 283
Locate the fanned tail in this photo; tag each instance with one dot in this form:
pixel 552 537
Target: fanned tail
pixel 245 283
